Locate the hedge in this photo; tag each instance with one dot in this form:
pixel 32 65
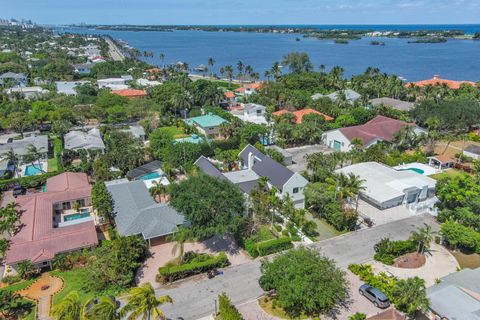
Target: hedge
pixel 388 251
pixel 27 182
pixel 226 310
pixel 170 274
pixel 265 248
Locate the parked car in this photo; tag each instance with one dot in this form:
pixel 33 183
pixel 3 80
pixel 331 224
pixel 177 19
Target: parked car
pixel 376 296
pixel 18 190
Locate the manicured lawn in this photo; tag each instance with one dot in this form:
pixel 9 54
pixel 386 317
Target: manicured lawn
pixel 52 164
pixel 324 230
pixel 73 280
pixel 471 260
pixel 264 234
pixel 18 286
pixel 448 173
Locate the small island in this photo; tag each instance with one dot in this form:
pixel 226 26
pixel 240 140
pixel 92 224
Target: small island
pixel 429 40
pixel 377 43
pixel 341 41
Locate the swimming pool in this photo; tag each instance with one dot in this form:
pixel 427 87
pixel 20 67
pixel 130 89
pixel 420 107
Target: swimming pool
pixel 417 170
pixel 76 216
pixel 150 176
pixel 32 170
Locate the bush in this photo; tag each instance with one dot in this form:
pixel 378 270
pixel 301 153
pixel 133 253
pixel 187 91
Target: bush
pixel 458 235
pixel 226 310
pixel 265 248
pixel 11 279
pixel 27 182
pixel 170 274
pixel 387 251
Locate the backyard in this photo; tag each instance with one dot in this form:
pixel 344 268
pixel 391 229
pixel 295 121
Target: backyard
pixel 448 173
pixel 53 163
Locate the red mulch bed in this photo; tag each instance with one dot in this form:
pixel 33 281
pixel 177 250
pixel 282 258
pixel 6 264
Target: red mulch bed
pixel 410 261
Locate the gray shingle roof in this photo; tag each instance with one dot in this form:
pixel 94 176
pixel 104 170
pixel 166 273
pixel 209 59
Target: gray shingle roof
pixel 13 75
pixel 393 103
pixel 349 94
pixel 208 168
pixel 90 140
pixel 144 169
pixel 20 147
pixel 135 211
pixel 265 166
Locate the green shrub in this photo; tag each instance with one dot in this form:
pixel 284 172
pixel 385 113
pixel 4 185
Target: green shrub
pixel 272 246
pixel 173 273
pixel 226 310
pixel 278 227
pixel 11 279
pixel 388 251
pixel 358 316
pixel 27 182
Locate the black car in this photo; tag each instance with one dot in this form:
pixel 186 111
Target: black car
pixel 18 190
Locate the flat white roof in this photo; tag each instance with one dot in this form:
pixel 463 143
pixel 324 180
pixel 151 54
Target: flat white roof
pixel 241 176
pixel 383 183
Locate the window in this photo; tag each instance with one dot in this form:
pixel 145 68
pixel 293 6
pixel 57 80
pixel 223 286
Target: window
pixel 66 205
pixel 295 190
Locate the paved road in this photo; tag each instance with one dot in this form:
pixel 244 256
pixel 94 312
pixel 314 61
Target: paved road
pixel 115 54
pixel 196 297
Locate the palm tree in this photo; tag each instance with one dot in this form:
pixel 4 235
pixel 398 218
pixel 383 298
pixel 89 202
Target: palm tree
pixel 423 236
pixel 70 308
pixel 276 70
pixel 35 154
pixel 104 308
pixel 162 58
pixel 142 303
pixel 11 157
pixel 181 101
pixel 180 237
pixel 211 63
pixel 159 192
pixel 229 73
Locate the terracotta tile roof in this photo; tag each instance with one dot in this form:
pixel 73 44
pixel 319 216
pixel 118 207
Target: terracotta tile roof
pixel 130 93
pixel 299 114
pixel 436 80
pixel 241 89
pixel 38 240
pixel 229 94
pixel 379 128
pixel 443 158
pixel 253 86
pixel 390 314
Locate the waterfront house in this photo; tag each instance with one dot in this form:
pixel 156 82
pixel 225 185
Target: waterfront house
pixel 249 89
pixel 136 213
pixel 456 296
pixel 436 80
pixel 208 124
pixel 378 129
pixel 59 220
pixel 255 165
pixel 299 114
pixel 392 103
pixel 68 87
pixel 83 68
pixel 12 79
pixel 252 112
pixel 91 140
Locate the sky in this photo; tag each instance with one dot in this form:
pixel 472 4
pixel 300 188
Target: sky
pixel 244 11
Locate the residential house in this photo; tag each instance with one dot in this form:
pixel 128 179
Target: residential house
pixel 230 98
pixel 390 314
pixel 136 131
pixel 150 173
pixel 13 79
pixel 472 151
pixel 436 80
pixel 68 87
pixel 378 129
pixel 27 92
pixel 255 165
pixel 349 95
pixel 252 112
pixel 130 93
pixel 148 83
pixel 90 140
pixel 456 296
pixel 317 96
pixel 299 114
pixel 112 83
pixel 386 187
pixel 136 213
pixel 83 68
pixel 208 124
pixel 21 146
pixel 287 156
pixel 50 224
pixel 392 103
pixel 249 89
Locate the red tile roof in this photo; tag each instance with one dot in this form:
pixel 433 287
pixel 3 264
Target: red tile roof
pixel 130 93
pixel 253 86
pixel 379 128
pixel 229 94
pixel 299 114
pixel 436 80
pixel 38 240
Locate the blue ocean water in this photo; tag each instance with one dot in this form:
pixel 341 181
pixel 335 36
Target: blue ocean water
pixel 456 59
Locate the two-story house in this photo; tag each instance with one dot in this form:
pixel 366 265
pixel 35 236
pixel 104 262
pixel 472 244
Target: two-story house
pixel 254 166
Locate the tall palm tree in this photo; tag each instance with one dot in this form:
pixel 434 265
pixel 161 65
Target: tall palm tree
pixel 211 63
pixel 162 58
pixel 159 192
pixel 105 308
pixel 423 236
pixel 35 154
pixel 142 303
pixel 11 157
pixel 70 308
pixel 180 237
pixel 229 73
pixel 181 101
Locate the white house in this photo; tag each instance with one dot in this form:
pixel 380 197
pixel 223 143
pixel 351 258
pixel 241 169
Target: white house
pixel 68 87
pixel 378 129
pixel 27 92
pixel 112 83
pixel 386 187
pixel 253 113
pixel 256 165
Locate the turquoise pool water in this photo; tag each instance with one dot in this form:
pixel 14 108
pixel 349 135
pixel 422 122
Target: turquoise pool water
pixel 150 176
pixel 419 171
pixel 32 170
pixel 76 216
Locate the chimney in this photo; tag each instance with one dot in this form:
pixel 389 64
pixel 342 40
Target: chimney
pixel 250 160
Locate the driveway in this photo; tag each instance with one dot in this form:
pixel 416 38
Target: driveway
pixel 383 216
pixel 299 154
pixel 439 264
pixel 194 298
pixel 161 254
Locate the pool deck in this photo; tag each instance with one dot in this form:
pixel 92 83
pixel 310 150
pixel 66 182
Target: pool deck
pixel 427 170
pixel 21 169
